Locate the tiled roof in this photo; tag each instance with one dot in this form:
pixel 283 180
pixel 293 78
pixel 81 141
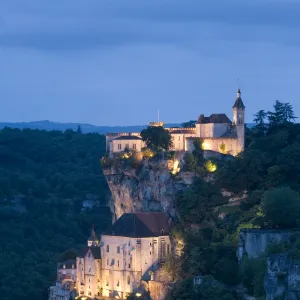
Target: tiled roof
pixel 214 118
pixel 94 250
pixel 127 137
pixel 142 224
pixel 68 264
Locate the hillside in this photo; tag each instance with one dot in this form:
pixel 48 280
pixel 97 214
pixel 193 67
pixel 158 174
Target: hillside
pixel 45 179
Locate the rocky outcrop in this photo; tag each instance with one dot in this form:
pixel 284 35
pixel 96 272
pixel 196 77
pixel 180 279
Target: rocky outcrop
pixel 253 242
pixel 149 187
pixel 282 278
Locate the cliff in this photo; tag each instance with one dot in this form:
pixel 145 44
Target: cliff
pixel 150 186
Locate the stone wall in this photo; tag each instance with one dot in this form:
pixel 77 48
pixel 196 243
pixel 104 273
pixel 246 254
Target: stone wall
pixel 253 242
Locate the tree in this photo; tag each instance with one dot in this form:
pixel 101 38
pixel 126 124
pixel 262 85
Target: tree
pixel 276 117
pixel 79 129
pixel 289 115
pixel 157 138
pixel 259 119
pixel 281 207
pixel 283 113
pixel 189 124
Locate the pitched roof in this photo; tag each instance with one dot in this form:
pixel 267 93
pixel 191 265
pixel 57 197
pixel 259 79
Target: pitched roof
pixel 93 236
pixel 127 137
pixel 94 250
pixel 239 102
pixel 142 224
pixel 214 118
pixel 68 264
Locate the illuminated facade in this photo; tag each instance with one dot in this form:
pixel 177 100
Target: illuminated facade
pixel 217 132
pixel 114 265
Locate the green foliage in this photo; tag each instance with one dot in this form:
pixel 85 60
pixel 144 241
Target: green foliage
pixel 281 207
pixel 157 138
pixel 252 275
pixel 185 290
pixel 189 124
pixel 44 179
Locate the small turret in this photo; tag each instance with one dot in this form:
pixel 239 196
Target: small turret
pixel 239 120
pixel 93 239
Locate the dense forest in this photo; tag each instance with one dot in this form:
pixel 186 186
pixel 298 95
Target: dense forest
pixel 45 179
pixel 268 172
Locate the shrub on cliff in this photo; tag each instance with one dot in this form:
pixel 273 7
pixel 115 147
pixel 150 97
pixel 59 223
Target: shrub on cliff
pixel 282 207
pixel 157 138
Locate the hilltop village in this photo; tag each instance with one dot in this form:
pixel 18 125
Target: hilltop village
pixel 115 264
pixel 217 132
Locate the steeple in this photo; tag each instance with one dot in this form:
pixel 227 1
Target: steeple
pixel 238 101
pixel 93 240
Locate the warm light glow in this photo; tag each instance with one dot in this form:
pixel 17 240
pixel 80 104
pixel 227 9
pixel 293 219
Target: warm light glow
pixel 176 167
pixel 210 166
pixel 127 155
pixel 138 294
pixel 205 145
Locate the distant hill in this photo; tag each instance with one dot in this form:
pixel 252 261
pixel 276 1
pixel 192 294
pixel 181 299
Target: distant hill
pixel 86 128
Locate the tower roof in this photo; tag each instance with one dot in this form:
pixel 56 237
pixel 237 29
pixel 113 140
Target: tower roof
pixel 238 101
pixel 93 236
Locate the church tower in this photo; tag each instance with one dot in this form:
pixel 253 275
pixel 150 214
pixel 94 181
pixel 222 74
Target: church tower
pixel 93 239
pixel 239 121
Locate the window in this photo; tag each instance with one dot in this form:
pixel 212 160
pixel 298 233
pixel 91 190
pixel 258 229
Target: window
pixel 128 279
pixel 118 249
pixel 107 281
pixel 118 282
pixel 107 262
pixel 134 146
pixel 129 265
pixel 162 232
pixel 64 266
pixel 72 266
pixel 179 138
pixel 89 254
pixel 126 146
pixel 168 249
pixel 119 146
pixel 90 269
pixel 107 248
pixel 118 263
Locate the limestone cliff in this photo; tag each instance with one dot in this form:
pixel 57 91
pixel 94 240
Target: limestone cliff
pixel 149 187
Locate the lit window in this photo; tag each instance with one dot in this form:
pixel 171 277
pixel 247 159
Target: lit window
pixel 64 266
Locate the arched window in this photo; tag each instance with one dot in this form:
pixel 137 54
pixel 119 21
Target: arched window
pixel 162 232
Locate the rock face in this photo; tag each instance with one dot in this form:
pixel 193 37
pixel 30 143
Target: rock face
pixel 282 279
pixel 253 242
pixel 150 187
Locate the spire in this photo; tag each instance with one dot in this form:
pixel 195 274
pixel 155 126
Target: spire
pixel 93 236
pixel 238 101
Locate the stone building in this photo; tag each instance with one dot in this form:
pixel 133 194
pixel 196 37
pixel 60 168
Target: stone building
pixel 65 283
pixel 217 132
pixel 115 264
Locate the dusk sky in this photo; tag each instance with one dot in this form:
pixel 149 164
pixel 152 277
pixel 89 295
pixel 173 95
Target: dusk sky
pixel 109 62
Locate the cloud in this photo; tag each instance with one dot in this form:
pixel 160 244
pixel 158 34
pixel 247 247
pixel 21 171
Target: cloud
pixel 76 25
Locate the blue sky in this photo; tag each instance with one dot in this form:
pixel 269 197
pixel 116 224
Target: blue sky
pixel 110 62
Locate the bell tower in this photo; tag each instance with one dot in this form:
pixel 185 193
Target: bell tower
pixel 239 120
